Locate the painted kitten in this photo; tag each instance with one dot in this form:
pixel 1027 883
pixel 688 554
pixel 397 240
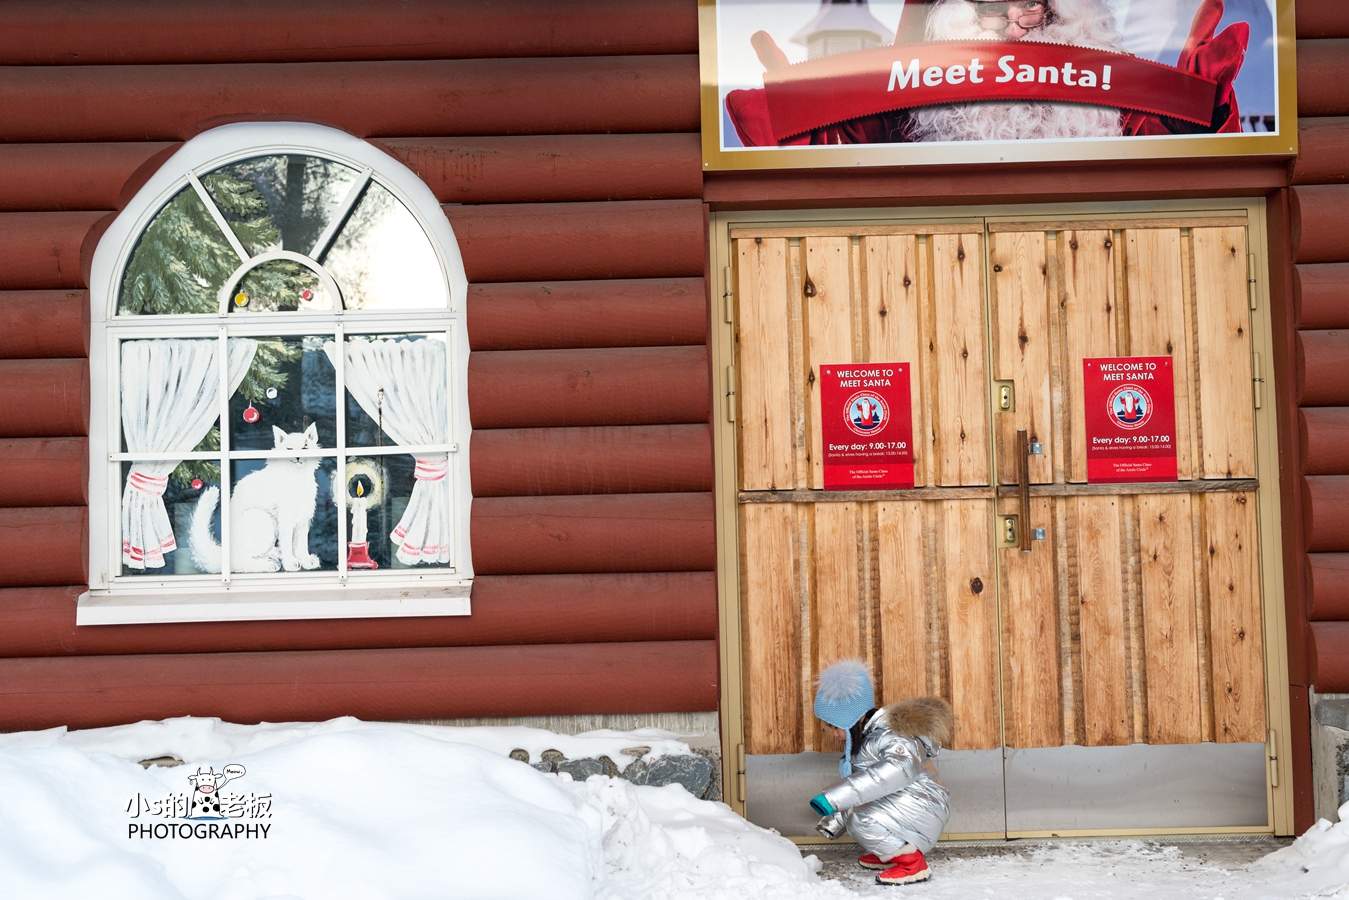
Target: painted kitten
pixel 270 513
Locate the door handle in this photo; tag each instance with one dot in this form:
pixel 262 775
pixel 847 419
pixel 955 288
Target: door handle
pixel 1023 487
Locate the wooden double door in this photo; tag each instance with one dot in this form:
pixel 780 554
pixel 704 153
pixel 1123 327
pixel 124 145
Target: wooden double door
pixel 1130 619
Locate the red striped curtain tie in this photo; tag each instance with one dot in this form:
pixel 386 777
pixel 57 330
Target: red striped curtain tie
pixel 153 485
pixel 431 469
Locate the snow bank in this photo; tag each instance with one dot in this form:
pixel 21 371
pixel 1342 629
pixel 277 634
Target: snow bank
pixel 366 812
pixel 348 809
pixel 1315 865
pixel 662 843
pixel 357 814
pixel 190 738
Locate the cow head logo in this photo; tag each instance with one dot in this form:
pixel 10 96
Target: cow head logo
pixel 206 785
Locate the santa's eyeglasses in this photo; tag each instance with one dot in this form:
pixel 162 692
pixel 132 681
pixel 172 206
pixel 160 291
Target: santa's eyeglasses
pixel 1001 9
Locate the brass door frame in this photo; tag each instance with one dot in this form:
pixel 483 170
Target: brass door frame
pixel 1252 211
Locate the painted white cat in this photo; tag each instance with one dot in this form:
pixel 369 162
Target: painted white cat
pixel 270 513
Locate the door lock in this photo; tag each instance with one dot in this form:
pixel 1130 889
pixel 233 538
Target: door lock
pixel 1009 531
pixel 1006 396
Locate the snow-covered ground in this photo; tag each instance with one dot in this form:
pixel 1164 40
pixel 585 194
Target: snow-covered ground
pixel 361 810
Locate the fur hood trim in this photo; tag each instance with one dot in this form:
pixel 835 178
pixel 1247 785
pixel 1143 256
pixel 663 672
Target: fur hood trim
pixel 922 717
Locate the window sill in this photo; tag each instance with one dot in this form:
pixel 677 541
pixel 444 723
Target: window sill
pixel 247 602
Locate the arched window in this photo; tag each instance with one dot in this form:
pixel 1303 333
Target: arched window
pixel 278 359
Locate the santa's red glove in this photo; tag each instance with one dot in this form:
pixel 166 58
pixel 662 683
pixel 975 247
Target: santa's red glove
pixel 748 111
pixel 1216 58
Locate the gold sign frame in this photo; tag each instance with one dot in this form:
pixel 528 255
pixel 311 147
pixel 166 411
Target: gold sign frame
pixel 1282 143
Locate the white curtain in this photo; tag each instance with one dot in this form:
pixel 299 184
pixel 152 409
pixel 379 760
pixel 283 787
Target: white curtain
pixel 170 400
pixel 401 385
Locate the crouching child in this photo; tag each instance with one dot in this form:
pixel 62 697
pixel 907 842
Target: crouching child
pixel 888 800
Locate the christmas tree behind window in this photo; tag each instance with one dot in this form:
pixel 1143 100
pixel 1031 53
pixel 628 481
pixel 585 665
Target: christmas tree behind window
pixel 181 262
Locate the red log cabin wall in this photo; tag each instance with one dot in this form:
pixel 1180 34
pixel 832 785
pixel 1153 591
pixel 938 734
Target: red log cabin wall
pixel 1316 324
pixel 562 139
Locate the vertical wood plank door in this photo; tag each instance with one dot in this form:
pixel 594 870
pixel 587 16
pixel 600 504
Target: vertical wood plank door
pixel 1123 619
pixel 908 587
pixel 1130 621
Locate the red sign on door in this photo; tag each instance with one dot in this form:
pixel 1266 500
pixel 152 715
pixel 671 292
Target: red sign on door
pixel 1130 419
pixel 867 426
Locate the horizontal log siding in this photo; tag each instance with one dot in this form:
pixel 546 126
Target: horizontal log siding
pixel 1321 229
pixel 544 461
pixel 43 249
pixel 35 177
pixel 652 312
pixel 1319 239
pixel 625 386
pixel 44 324
pixel 533 241
pixel 631 94
pixel 44 471
pixel 521 609
pixel 573 183
pixel 613 533
pixel 1329 650
pixel 282 686
pixel 1322 67
pixel 171 31
pixel 47 546
pixel 555 167
pixel 1327 576
pixel 1322 294
pixel 44 397
pixel 1321 19
pixel 1323 148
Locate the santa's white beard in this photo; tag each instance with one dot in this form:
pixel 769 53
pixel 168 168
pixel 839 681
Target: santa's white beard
pixel 1083 22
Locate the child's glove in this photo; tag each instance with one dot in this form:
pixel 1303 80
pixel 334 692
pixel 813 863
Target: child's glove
pixel 821 805
pixel 831 827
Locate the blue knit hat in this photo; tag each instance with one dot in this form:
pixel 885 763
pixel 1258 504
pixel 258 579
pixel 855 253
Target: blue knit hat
pixel 843 695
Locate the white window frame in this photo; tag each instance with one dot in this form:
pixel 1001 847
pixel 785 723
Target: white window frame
pixel 113 598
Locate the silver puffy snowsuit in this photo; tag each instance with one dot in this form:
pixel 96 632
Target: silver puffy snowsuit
pixel 891 798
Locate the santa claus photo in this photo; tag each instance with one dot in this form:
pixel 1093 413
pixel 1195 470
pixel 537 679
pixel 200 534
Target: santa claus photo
pixel 800 73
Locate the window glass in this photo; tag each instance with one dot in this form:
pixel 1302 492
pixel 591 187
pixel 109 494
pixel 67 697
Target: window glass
pixel 380 492
pixel 383 259
pixel 180 262
pixel 379 256
pixel 282 515
pixel 280 202
pixel 280 285
pixel 402 384
pixel 172 553
pixel 290 386
pixel 246 235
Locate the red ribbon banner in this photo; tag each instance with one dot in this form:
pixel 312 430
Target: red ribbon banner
pixel 834 89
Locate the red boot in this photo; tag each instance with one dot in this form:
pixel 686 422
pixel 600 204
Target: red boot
pixel 906 869
pixel 872 861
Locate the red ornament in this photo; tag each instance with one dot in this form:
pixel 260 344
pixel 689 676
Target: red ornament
pixel 307 294
pixel 251 415
pixel 196 484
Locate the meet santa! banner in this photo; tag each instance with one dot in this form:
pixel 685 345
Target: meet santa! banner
pixel 866 426
pixel 1130 407
pixel 985 79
